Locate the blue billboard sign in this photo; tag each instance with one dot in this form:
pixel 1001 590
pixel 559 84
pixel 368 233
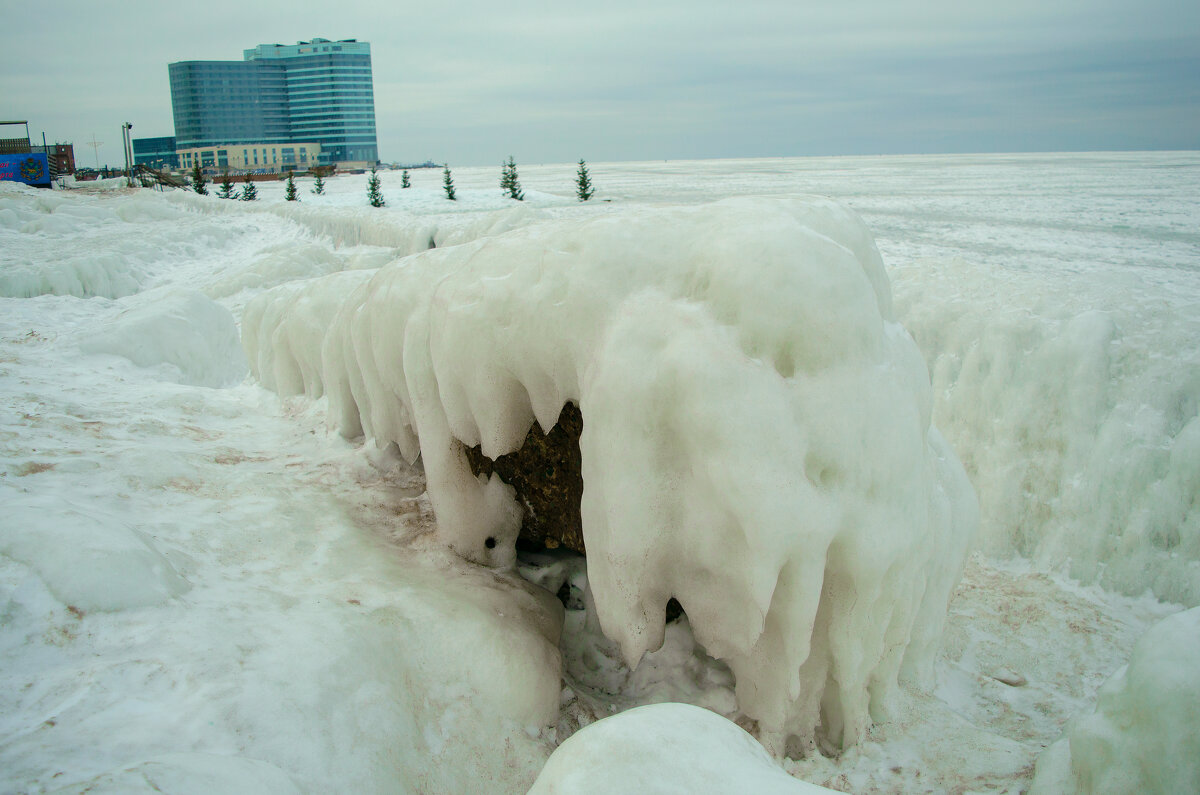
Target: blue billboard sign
pixel 30 168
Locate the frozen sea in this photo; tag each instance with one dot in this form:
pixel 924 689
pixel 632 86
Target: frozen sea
pixel 202 588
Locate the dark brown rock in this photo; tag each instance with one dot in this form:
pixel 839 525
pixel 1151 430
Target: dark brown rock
pixel 547 477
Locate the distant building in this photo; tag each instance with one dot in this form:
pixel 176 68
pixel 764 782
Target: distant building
pixel 317 91
pixel 157 152
pixel 269 157
pixel 60 158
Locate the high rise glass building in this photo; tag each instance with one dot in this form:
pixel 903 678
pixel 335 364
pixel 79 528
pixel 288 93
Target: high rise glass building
pixel 313 91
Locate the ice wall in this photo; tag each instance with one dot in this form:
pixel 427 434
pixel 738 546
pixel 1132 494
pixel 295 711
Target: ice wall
pixel 1073 400
pixel 757 439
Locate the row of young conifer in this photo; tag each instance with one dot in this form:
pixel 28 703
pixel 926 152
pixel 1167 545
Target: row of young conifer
pixel 510 184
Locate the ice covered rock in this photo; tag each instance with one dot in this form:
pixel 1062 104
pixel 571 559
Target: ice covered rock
pixel 1142 736
pixel 665 748
pixel 756 434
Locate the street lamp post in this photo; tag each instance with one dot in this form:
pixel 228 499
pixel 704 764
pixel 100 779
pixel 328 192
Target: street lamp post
pixel 126 139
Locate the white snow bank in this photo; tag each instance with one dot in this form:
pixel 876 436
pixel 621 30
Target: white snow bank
pixel 757 438
pixel 391 227
pixel 85 246
pixel 83 275
pixel 665 748
pixel 190 774
pixel 88 561
pixel 1142 735
pixel 192 334
pixel 278 264
pixel 1078 417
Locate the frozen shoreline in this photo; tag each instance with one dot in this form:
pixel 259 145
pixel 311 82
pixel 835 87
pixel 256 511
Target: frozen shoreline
pixel 292 542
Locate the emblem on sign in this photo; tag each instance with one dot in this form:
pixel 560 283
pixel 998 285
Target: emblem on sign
pixel 31 169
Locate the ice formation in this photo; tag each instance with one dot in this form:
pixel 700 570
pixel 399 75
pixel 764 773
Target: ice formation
pixel 192 335
pixel 757 439
pixel 1080 433
pixel 1142 735
pixel 665 748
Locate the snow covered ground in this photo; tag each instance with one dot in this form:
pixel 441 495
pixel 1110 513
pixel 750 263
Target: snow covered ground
pixel 203 588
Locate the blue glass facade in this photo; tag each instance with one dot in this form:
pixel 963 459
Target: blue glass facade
pixel 318 90
pixel 155 152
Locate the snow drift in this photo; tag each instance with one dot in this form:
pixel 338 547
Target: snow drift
pixel 194 338
pixel 757 439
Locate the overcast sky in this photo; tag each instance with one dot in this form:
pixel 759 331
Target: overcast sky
pixel 472 82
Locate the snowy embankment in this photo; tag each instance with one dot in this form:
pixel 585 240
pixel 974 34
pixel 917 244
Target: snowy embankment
pixel 200 588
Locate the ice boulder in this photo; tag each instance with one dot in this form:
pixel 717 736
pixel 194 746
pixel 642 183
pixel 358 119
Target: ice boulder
pixel 1142 736
pixel 756 438
pixel 190 333
pixel 665 748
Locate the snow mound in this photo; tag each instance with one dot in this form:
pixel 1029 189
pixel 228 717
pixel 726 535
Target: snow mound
pixel 757 439
pixel 190 774
pixel 192 334
pixel 665 748
pixel 87 562
pixel 1142 735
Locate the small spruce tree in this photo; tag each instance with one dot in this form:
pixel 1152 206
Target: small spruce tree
pixel 510 185
pixel 583 183
pixel 404 182
pixel 198 178
pixel 291 194
pixel 448 184
pixel 226 191
pixel 249 192
pixel 374 194
pixel 319 184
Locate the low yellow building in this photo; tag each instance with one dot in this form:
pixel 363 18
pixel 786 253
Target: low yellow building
pixel 256 158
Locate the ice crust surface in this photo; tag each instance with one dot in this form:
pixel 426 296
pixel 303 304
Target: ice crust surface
pixel 756 443
pixel 309 629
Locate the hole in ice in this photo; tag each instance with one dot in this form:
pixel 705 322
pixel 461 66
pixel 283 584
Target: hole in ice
pixel 596 680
